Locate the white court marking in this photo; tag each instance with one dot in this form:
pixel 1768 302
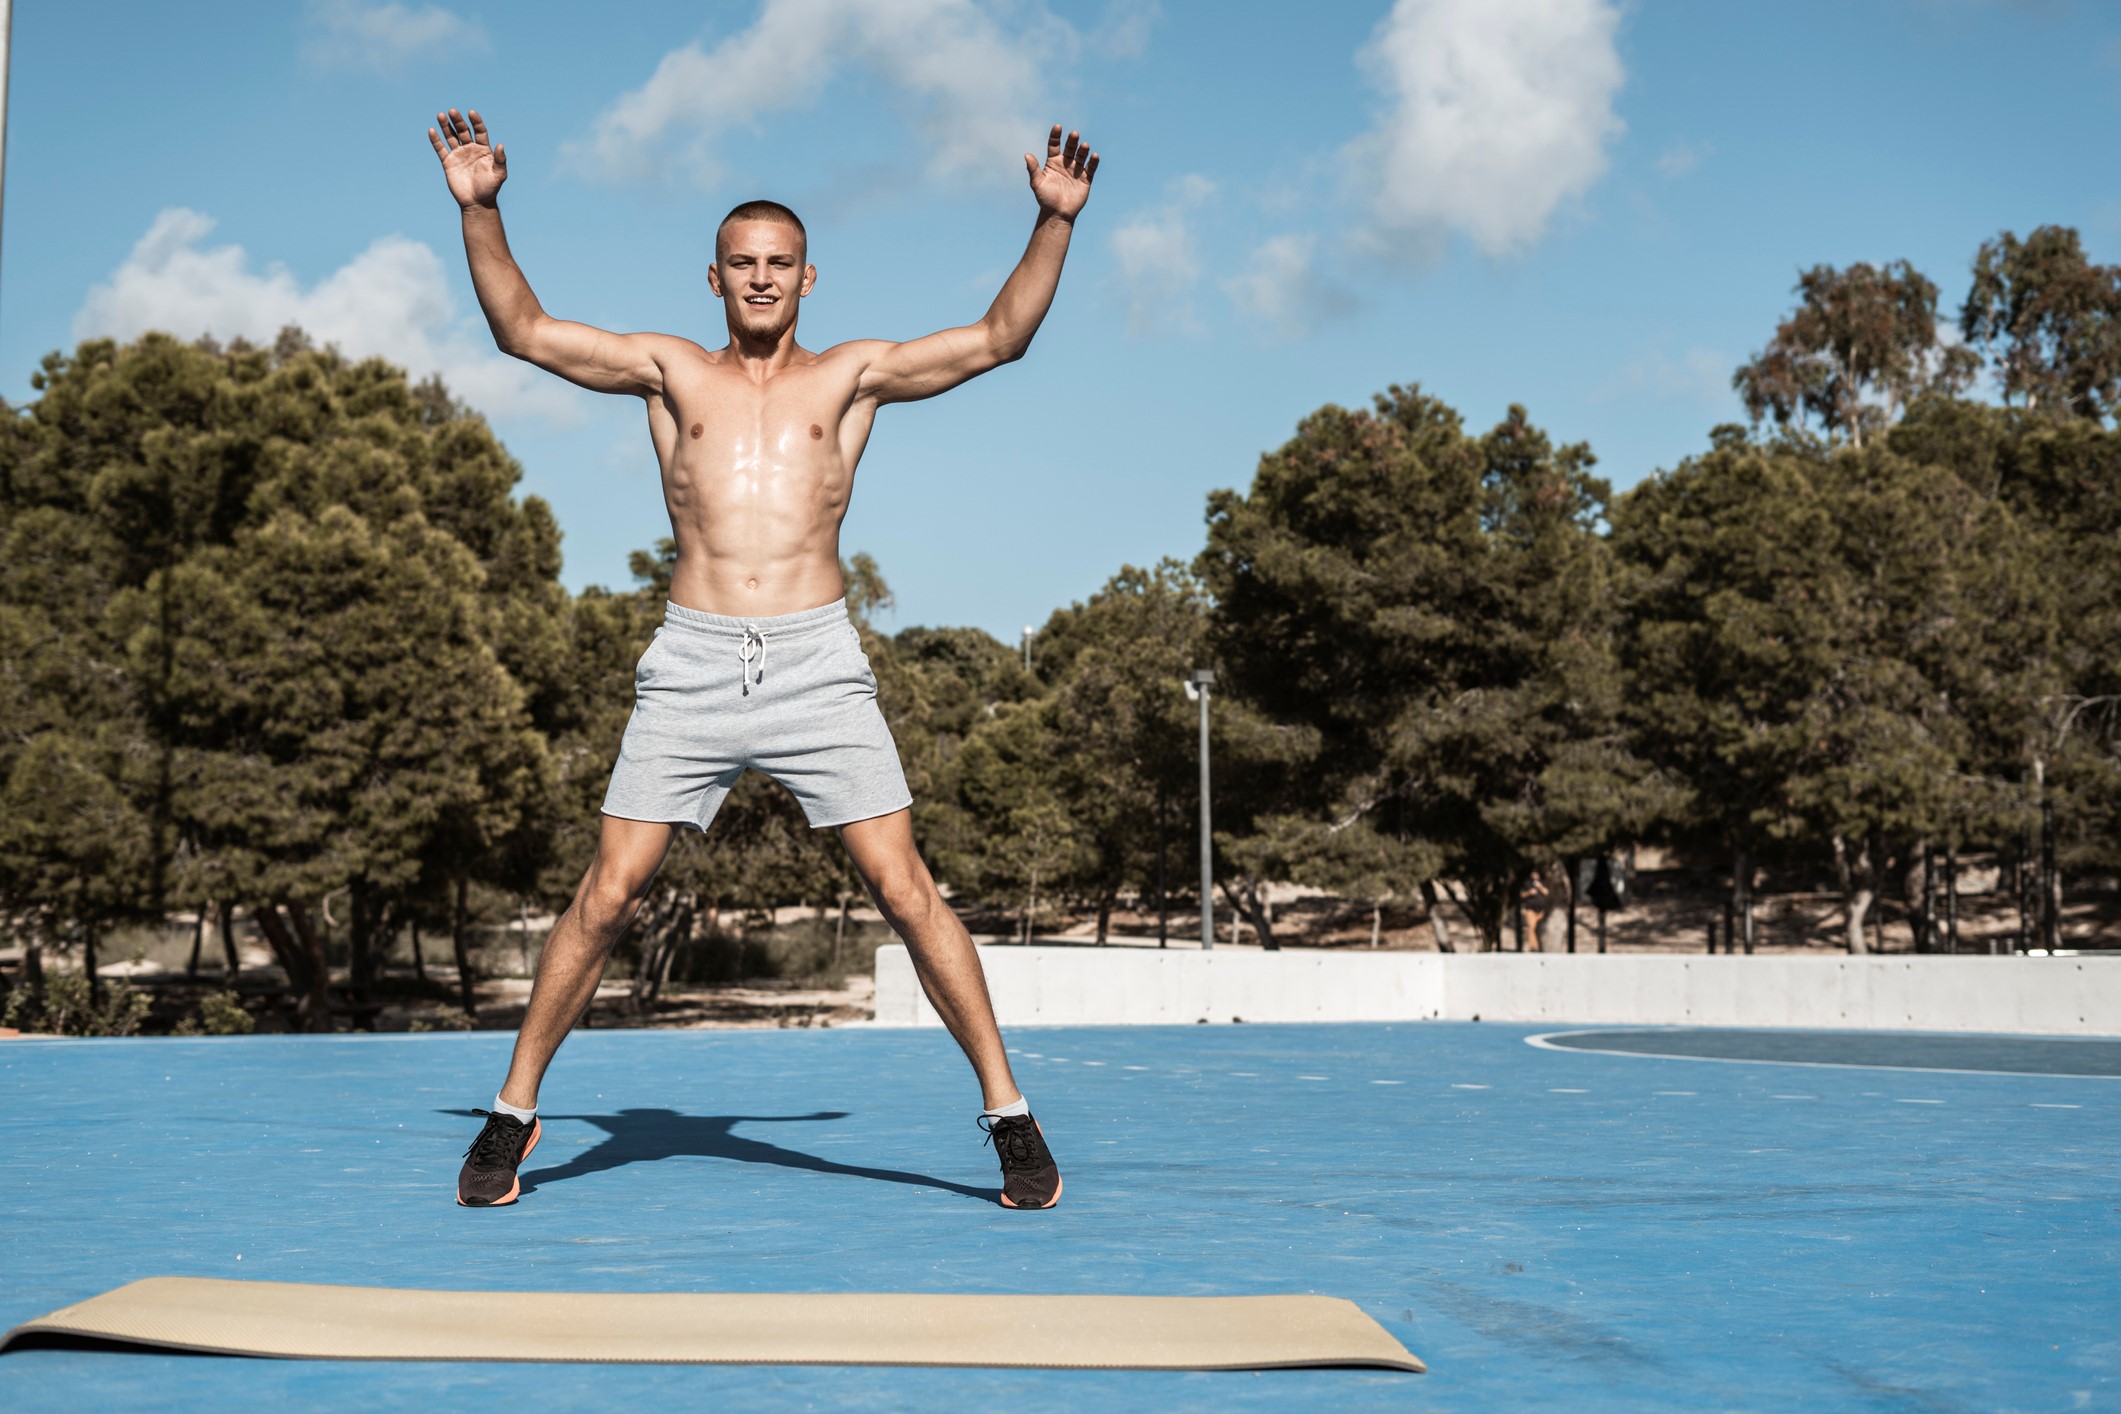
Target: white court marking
pixel 2038 1106
pixel 1374 1082
pixel 1456 1086
pixel 1546 1039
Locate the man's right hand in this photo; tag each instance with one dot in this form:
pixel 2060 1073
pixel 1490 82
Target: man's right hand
pixel 474 166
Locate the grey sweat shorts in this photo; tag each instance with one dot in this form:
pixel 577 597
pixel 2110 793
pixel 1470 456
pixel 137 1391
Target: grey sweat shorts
pixel 791 696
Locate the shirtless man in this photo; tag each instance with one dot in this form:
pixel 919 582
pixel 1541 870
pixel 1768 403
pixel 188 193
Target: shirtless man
pixel 758 442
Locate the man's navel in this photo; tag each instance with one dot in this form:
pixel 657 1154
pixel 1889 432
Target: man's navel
pixel 752 583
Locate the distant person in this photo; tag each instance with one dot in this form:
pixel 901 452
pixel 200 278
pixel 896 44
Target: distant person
pixel 756 665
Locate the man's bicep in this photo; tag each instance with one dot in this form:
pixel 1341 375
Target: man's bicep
pixel 921 368
pixel 597 359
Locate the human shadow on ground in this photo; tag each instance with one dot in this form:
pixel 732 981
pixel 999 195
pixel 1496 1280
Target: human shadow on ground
pixel 639 1136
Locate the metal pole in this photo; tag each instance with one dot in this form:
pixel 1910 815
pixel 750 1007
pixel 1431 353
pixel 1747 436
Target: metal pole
pixel 2050 881
pixel 7 54
pixel 1202 679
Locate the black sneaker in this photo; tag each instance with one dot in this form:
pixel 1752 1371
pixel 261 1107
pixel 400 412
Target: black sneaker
pixel 488 1178
pixel 1030 1178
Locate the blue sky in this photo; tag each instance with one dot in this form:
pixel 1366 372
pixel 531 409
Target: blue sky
pixel 1594 209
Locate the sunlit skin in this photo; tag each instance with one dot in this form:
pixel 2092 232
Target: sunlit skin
pixel 758 442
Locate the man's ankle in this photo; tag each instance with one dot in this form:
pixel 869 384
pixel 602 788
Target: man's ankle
pixel 522 1114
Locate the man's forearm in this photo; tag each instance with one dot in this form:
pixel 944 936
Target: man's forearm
pixel 505 296
pixel 1028 293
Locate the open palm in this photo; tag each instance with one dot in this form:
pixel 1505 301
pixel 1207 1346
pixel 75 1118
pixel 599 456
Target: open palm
pixel 1062 185
pixel 472 163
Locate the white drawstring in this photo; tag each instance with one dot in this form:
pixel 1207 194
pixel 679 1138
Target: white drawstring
pixel 753 639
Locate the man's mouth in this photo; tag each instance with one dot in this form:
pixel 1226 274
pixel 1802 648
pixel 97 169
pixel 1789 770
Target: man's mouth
pixel 762 299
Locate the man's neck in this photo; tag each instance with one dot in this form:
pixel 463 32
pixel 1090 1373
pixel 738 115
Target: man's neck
pixel 761 357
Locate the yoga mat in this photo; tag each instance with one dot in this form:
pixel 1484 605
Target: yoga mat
pixel 303 1322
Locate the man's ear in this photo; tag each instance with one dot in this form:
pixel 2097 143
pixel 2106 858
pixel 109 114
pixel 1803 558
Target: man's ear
pixel 809 280
pixel 714 279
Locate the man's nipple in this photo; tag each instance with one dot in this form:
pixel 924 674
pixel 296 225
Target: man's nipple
pixel 699 430
pixel 817 433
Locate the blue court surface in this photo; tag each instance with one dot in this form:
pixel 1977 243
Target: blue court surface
pixel 1558 1228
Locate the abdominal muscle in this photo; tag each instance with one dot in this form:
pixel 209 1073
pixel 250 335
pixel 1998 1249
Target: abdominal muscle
pixel 757 481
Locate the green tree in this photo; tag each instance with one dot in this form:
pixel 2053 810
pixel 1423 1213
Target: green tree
pixel 326 630
pixel 2049 321
pixel 1860 346
pixel 1436 611
pixel 1835 650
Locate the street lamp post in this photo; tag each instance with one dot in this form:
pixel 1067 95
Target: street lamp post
pixel 1197 689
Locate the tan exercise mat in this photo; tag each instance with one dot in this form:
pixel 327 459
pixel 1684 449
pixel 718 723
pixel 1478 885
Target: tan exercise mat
pixel 304 1322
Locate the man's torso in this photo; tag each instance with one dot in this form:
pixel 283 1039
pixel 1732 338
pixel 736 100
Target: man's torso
pixel 757 474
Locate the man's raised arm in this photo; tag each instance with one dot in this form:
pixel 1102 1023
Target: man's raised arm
pixel 595 358
pixel 921 368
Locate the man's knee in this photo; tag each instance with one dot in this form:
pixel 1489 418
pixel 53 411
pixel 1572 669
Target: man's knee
pixel 608 903
pixel 906 894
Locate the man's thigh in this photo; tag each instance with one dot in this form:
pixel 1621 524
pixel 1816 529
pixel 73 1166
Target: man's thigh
pixel 629 852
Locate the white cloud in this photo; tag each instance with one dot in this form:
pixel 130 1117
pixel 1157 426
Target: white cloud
pixel 1159 261
pixel 970 77
pixel 384 38
pixel 1683 157
pixel 1498 114
pixel 1282 287
pixel 390 300
pixel 1124 31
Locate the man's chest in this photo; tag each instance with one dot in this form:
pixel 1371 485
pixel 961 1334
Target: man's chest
pixel 792 407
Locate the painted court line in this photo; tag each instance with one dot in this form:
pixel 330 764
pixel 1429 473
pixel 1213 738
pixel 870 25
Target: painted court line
pixel 1545 1042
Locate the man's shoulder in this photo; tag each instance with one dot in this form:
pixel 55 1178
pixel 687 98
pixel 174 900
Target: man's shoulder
pixel 857 351
pixel 675 346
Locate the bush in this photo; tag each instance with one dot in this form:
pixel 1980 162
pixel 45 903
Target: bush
pixel 448 1018
pixel 61 1006
pixel 219 1014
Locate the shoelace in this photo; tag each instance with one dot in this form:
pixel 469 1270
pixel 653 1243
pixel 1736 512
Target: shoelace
pixel 753 639
pixel 496 1145
pixel 1010 1139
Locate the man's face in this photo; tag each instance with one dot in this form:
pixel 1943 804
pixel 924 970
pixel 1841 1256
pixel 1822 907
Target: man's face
pixel 760 273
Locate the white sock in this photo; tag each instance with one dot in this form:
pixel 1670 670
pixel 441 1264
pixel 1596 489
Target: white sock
pixel 514 1112
pixel 1017 1106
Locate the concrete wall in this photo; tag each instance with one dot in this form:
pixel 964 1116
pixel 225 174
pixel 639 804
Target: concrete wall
pixel 1079 986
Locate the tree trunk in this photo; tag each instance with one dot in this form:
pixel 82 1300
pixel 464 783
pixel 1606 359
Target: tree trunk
pixel 460 943
pixel 360 957
pixel 839 931
pixel 419 960
pixel 33 965
pixel 198 941
pixel 234 959
pixel 285 951
pixel 1245 902
pixel 1104 912
pixel 1438 924
pixel 1857 890
pixel 1377 920
pixel 88 955
pixel 316 1005
pixel 1742 900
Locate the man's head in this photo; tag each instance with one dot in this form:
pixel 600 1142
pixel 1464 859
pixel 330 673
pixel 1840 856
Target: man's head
pixel 761 268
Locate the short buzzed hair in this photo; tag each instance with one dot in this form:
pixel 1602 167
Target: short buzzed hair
pixel 762 210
